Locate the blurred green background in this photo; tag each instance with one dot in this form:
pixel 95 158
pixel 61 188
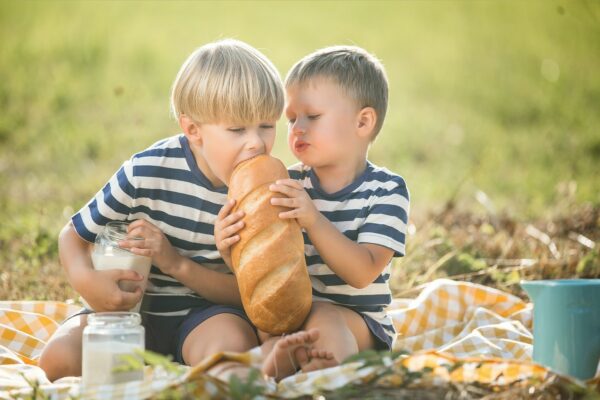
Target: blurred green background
pixel 500 98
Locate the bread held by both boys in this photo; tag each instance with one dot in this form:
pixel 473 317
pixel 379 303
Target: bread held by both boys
pixel 268 260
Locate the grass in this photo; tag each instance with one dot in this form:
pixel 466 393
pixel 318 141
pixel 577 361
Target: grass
pixel 495 101
pixel 493 122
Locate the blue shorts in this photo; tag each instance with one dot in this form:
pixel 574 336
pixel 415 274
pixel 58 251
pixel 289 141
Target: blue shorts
pixel 166 334
pixel 382 340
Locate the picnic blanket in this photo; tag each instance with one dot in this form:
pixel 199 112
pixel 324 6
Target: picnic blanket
pixel 457 331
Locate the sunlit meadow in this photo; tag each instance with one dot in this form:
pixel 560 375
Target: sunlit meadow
pixel 494 108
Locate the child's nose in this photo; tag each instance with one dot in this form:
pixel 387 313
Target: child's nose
pixel 297 127
pixel 255 141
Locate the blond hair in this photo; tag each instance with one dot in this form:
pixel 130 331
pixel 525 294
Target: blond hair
pixel 227 81
pixel 356 71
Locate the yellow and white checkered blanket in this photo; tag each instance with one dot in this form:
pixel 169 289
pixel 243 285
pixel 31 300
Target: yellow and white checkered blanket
pixel 461 331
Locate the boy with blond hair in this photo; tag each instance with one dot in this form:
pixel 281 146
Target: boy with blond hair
pixel 227 98
pixel 353 213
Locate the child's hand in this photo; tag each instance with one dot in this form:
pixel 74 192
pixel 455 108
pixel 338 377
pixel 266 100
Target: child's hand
pixel 226 228
pixel 154 244
pixel 103 293
pixel 303 208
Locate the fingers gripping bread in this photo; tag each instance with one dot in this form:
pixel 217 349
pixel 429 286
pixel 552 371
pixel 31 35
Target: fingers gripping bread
pixel 268 260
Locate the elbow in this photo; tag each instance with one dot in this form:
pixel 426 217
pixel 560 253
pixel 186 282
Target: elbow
pixel 364 279
pixel 360 285
pixel 360 282
pixel 369 272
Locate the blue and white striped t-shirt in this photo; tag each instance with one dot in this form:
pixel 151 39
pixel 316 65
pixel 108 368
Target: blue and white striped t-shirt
pixel 164 186
pixel 372 209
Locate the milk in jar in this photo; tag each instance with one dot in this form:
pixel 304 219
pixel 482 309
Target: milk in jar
pixel 108 255
pixel 106 339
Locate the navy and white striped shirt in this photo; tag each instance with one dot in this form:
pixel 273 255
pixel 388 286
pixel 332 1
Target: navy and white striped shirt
pixel 164 186
pixel 372 209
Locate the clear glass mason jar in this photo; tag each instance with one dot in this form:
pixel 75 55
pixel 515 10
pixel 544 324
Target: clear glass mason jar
pixel 108 255
pixel 106 339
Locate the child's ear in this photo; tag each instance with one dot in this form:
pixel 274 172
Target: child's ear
pixel 367 118
pixel 190 129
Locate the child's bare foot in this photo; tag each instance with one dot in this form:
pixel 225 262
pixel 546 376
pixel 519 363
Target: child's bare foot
pixel 288 353
pixel 319 359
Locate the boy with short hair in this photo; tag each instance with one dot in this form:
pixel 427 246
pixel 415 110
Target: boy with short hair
pixel 227 98
pixel 353 213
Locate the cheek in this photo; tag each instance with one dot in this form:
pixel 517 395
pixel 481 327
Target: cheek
pixel 222 156
pixel 341 133
pixel 270 141
pixel 330 137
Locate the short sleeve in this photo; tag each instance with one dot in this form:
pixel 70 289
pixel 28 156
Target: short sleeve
pixel 387 218
pixel 113 202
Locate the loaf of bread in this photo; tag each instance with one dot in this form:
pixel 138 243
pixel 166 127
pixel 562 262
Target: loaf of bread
pixel 268 260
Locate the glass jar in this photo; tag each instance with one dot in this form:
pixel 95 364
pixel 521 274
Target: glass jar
pixel 106 339
pixel 108 255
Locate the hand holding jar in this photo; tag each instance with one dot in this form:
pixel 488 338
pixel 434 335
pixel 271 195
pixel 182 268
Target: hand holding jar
pixel 146 240
pixel 108 254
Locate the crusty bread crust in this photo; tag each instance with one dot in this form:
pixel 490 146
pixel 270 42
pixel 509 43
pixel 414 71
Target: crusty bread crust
pixel 268 260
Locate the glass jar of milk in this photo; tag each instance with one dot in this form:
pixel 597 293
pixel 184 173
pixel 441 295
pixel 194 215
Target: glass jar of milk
pixel 106 339
pixel 108 255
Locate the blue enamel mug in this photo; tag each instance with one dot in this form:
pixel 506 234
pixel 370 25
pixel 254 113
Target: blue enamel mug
pixel 566 325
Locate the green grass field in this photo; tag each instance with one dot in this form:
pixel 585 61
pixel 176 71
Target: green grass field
pixel 501 97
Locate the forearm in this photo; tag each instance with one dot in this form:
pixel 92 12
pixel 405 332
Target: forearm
pixel 75 257
pixel 352 262
pixel 217 287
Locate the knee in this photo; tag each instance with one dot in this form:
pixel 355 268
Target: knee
pixel 232 335
pixel 237 340
pixel 59 359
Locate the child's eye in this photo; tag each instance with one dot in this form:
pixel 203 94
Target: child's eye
pixel 313 117
pixel 267 126
pixel 237 130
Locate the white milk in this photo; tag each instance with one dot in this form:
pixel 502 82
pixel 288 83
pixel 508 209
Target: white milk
pixel 124 260
pixel 114 258
pixel 100 358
